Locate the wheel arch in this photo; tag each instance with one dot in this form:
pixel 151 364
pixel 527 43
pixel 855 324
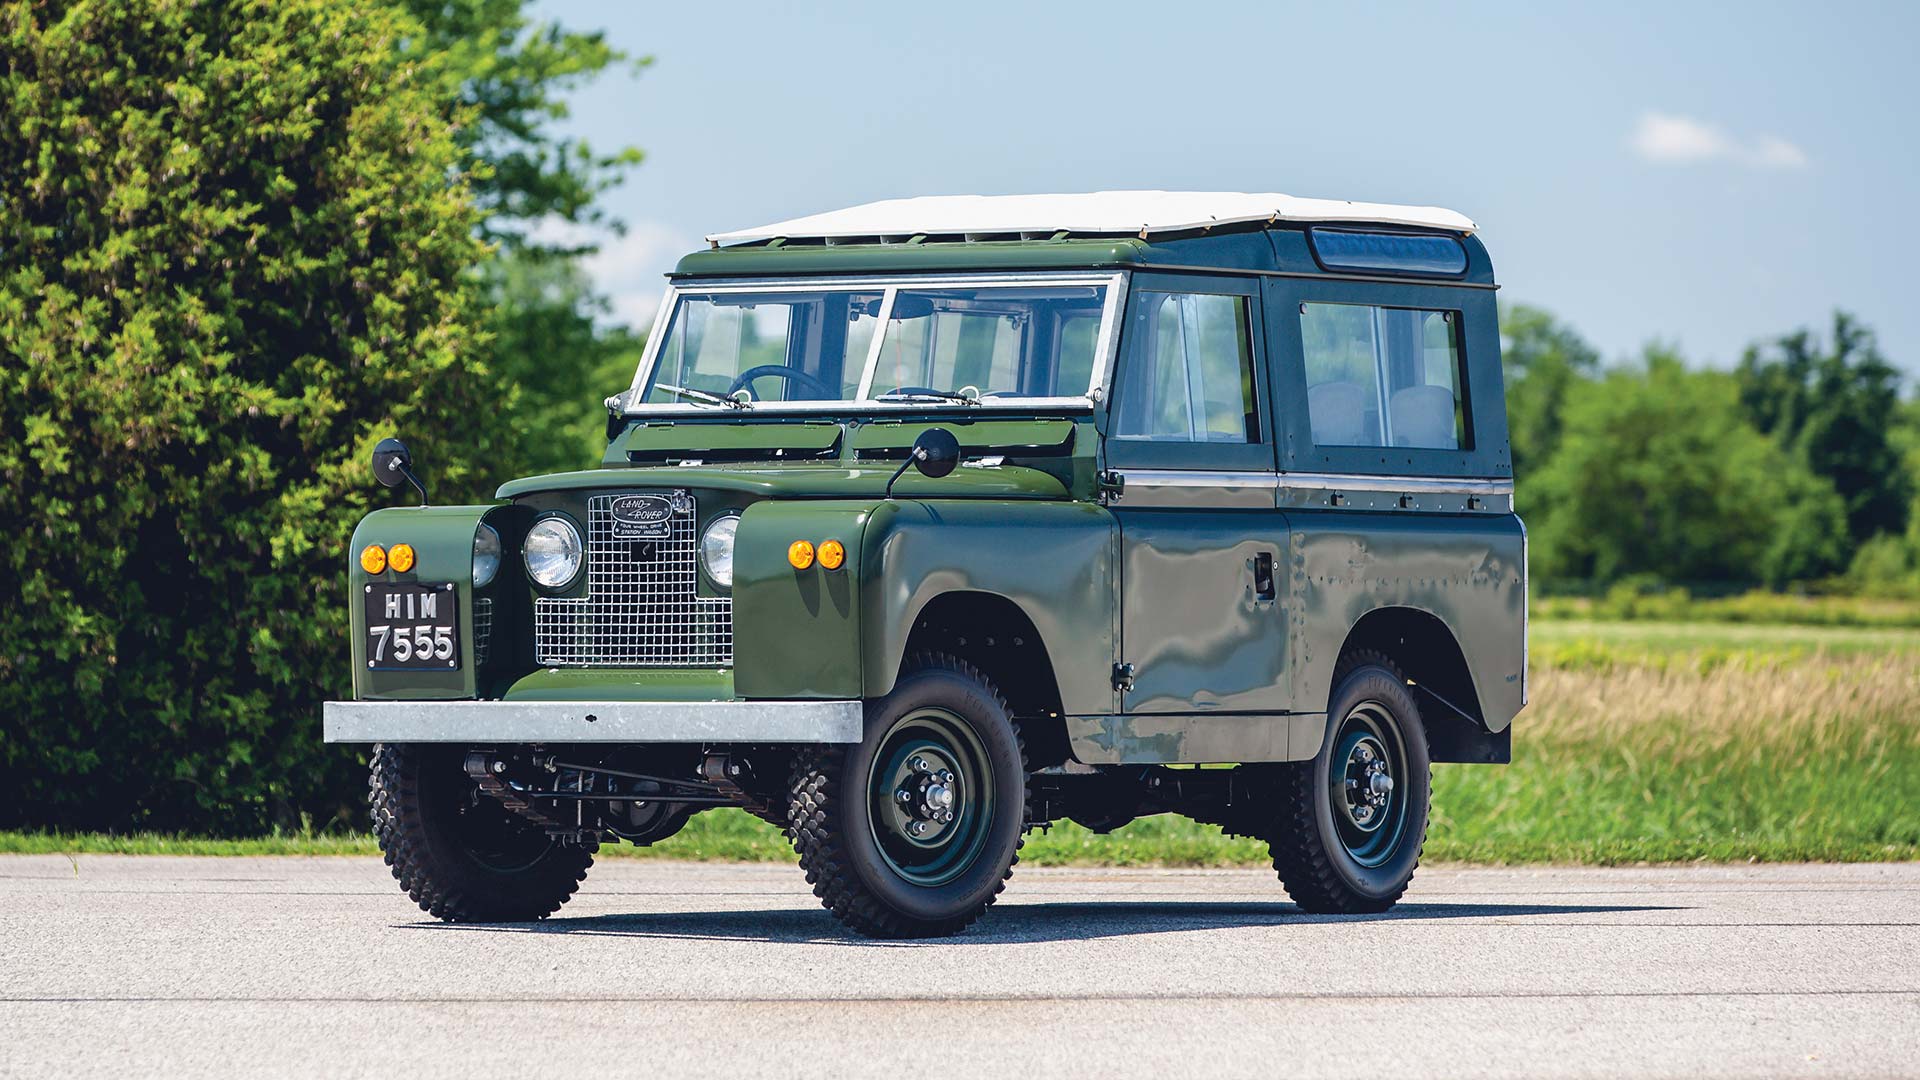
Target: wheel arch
pixel 1430 656
pixel 997 636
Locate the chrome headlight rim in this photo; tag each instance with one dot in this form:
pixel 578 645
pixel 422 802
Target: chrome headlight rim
pixel 572 545
pixel 486 555
pixel 721 576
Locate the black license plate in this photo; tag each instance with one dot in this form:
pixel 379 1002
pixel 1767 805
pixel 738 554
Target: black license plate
pixel 413 627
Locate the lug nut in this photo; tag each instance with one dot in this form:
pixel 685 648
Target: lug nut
pixel 903 795
pixel 946 776
pixel 918 764
pixel 916 827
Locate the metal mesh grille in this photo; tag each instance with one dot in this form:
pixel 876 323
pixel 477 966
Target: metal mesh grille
pixel 482 627
pixel 641 607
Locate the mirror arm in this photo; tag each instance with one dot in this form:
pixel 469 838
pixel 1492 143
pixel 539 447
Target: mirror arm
pixel 914 457
pixel 407 471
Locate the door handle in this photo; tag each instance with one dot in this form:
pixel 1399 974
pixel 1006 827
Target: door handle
pixel 1263 576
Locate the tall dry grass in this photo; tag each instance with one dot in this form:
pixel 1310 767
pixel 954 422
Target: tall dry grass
pixel 1706 755
pixel 1717 705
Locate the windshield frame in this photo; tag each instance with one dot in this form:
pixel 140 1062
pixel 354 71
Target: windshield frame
pixel 890 285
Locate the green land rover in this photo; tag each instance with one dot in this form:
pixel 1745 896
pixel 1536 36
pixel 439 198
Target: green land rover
pixel 931 522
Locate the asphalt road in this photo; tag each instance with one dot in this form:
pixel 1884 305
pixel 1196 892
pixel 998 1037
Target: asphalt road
pixel 320 967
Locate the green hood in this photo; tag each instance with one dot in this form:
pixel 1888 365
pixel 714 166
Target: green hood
pixel 822 481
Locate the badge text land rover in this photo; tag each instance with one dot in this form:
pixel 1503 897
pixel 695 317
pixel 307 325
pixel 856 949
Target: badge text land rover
pixel 930 522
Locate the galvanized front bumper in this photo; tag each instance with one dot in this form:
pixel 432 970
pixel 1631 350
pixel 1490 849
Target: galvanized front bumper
pixel 593 721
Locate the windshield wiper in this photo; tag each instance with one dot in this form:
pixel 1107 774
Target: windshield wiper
pixel 929 395
pixel 703 397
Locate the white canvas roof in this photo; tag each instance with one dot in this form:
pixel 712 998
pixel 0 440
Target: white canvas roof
pixel 1094 212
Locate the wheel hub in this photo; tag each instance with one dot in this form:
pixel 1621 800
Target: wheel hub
pixel 1368 783
pixel 931 794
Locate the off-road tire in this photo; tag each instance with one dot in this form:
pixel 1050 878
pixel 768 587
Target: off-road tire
pixel 1318 871
pixel 422 801
pixel 828 817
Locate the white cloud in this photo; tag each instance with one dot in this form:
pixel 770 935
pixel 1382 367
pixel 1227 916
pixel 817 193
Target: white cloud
pixel 1776 152
pixel 627 269
pixel 1667 139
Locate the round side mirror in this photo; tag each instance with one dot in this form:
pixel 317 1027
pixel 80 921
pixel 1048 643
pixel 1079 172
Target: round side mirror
pixel 391 462
pixel 935 452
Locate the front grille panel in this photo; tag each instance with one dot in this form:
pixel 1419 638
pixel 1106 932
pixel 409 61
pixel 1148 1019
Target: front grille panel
pixel 482 627
pixel 641 608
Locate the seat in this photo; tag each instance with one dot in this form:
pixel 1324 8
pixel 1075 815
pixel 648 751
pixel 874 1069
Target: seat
pixel 1338 411
pixel 1423 416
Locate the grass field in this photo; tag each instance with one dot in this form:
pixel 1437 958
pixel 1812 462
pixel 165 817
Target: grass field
pixel 1645 741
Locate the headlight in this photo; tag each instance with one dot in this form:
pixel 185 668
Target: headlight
pixel 486 555
pixel 553 552
pixel 716 549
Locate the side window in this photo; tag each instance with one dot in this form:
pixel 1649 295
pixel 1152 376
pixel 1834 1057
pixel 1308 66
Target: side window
pixel 1380 376
pixel 1193 382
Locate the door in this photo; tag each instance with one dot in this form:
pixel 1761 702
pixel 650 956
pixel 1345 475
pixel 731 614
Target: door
pixel 1202 633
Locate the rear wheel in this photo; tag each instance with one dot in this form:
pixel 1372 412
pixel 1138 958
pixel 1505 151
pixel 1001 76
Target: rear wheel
pixel 1350 824
pixel 460 855
pixel 914 831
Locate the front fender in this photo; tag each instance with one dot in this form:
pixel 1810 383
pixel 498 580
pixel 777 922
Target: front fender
pixel 796 633
pixel 442 540
pixel 1053 560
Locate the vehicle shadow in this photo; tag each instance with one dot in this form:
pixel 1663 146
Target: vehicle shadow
pixel 1008 924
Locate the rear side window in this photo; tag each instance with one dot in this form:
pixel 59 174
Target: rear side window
pixel 1379 376
pixel 1194 381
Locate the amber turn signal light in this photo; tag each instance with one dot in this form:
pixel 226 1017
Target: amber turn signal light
pixel 373 558
pixel 400 557
pixel 800 554
pixel 833 554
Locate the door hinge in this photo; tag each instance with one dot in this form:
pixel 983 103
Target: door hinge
pixel 1112 485
pixel 1123 677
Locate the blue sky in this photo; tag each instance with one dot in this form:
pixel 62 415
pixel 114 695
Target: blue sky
pixel 1699 174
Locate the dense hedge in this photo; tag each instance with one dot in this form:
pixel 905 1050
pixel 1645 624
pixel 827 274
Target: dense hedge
pixel 236 249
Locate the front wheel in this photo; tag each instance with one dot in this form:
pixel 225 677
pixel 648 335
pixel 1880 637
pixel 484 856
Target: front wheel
pixel 1350 823
pixel 462 856
pixel 914 831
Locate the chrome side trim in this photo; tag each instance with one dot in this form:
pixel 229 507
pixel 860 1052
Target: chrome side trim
pixel 592 721
pixel 1168 479
pixel 1195 488
pixel 1417 485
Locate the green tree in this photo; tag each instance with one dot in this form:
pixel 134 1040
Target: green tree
pixel 1659 473
pixel 1543 361
pixel 236 249
pixel 1834 404
pixel 506 78
pixel 542 316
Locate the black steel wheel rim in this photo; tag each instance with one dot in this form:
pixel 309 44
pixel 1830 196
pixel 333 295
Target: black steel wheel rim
pixel 930 797
pixel 1367 776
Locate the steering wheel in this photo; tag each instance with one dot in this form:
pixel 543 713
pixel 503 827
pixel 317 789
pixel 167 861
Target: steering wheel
pixel 744 381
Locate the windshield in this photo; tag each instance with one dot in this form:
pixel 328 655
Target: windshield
pixel 984 343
